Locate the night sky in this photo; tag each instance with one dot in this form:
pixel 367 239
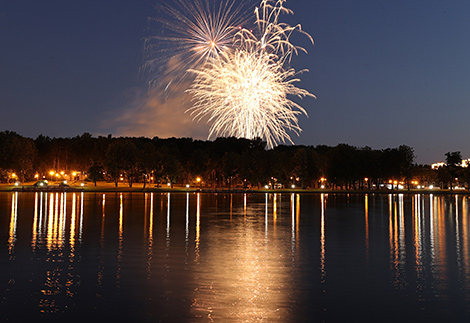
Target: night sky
pixel 385 73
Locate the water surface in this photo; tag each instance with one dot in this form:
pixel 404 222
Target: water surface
pixel 192 257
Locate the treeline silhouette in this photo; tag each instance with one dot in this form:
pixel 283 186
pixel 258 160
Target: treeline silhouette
pixel 224 162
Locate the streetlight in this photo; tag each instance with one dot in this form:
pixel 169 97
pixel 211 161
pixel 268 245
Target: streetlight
pixel 199 181
pixel 322 180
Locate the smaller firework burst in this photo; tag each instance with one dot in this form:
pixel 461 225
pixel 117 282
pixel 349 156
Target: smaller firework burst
pixel 193 32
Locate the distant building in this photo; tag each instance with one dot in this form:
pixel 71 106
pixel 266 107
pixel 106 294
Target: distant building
pixel 465 163
pixel 437 165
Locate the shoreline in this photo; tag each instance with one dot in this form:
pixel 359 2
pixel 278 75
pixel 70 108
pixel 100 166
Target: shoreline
pixel 104 187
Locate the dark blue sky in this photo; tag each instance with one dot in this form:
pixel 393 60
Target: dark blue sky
pixel 385 73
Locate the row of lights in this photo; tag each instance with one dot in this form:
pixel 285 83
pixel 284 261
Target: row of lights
pixel 57 174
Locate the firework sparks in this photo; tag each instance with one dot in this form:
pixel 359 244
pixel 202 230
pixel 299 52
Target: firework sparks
pixel 193 32
pixel 243 81
pixel 244 92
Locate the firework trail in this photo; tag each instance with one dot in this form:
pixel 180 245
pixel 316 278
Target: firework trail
pixel 243 80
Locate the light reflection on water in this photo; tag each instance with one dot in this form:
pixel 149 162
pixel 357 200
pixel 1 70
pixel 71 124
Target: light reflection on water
pixel 235 257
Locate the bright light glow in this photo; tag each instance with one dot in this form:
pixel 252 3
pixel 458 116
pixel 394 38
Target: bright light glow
pixel 293 186
pixel 62 173
pixel 187 185
pixel 13 175
pixel 431 187
pixel 82 184
pixel 323 186
pixel 17 183
pixel 65 182
pixel 51 173
pixel 266 186
pixel 36 176
pixel 198 179
pixel 168 184
pixel 74 174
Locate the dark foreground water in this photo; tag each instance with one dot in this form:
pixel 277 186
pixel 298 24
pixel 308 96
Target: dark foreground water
pixel 73 257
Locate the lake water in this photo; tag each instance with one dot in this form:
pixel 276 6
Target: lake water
pixel 194 257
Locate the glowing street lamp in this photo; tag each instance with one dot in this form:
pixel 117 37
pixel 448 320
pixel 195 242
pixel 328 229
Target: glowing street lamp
pixel 322 180
pixel 199 181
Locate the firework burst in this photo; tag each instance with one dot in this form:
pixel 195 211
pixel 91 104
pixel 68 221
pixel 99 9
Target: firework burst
pixel 245 92
pixel 242 79
pixel 193 32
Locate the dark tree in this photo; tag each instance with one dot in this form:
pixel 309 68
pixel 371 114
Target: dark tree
pixel 343 165
pixel 95 173
pixel 17 154
pixel 121 159
pixel 453 165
